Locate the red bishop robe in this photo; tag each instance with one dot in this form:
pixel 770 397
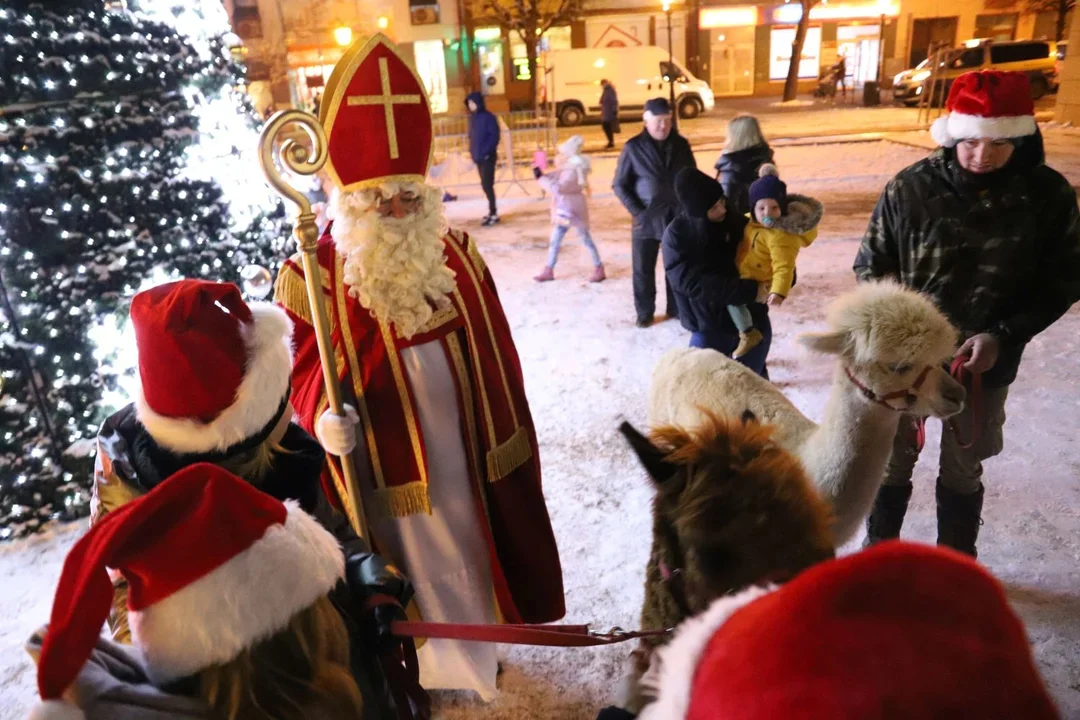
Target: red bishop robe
pixel 500 438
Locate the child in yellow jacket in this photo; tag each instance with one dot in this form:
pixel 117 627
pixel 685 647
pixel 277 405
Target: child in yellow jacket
pixel 780 226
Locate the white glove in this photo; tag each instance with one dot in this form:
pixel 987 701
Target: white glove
pixel 337 434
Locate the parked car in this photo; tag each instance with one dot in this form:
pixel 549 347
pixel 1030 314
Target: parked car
pixel 1059 63
pixel 571 79
pixel 1034 57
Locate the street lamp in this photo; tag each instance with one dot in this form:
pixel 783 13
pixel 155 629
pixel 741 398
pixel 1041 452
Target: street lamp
pixel 343 35
pixel 671 68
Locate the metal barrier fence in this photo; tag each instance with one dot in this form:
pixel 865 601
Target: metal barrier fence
pixel 932 100
pixel 523 133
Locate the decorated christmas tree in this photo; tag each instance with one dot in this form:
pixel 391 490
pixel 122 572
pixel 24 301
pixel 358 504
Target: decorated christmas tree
pixel 128 155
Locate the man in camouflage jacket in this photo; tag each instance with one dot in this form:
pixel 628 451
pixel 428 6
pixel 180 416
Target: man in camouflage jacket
pixel 992 234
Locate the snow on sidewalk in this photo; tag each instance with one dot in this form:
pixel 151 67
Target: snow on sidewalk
pixel 587 368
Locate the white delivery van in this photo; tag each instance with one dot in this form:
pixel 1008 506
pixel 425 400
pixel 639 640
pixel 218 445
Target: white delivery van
pixel 571 79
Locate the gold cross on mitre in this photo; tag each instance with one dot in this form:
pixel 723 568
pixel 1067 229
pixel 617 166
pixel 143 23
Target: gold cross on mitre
pixel 388 100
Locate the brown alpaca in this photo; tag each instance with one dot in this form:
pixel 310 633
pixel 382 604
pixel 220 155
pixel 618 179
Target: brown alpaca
pixel 732 509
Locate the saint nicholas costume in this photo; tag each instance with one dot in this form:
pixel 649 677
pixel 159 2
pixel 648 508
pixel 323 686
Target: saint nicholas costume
pixel 446 450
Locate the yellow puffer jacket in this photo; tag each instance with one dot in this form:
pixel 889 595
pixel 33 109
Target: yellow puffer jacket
pixel 767 254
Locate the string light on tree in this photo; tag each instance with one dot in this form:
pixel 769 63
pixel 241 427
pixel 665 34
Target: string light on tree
pixel 146 103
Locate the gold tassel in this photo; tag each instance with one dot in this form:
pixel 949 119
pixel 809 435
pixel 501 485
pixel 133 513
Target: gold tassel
pixel 290 292
pixel 509 456
pixel 404 500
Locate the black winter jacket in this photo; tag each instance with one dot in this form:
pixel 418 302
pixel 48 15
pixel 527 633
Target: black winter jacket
pixel 998 254
pixel 737 171
pixel 699 262
pixel 645 181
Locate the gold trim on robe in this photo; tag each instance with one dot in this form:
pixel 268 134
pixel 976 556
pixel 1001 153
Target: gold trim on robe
pixel 410 498
pixel 438 318
pixel 354 370
pixel 515 452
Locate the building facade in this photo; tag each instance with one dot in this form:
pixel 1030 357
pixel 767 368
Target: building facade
pixel 926 25
pixel 290 47
pixel 1068 100
pixel 740 48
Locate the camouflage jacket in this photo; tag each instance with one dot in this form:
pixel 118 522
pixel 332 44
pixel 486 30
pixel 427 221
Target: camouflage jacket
pixel 1003 258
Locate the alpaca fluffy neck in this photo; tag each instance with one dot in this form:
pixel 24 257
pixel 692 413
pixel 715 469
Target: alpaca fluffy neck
pixel 847 453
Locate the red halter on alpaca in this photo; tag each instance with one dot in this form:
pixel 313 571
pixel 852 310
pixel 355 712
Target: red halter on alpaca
pixel 884 399
pixel 957 371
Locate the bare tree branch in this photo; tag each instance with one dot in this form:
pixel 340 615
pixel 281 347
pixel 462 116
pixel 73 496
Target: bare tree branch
pixel 504 16
pixel 562 14
pixel 531 20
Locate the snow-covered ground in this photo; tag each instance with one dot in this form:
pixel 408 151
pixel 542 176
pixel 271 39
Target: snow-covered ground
pixel 587 367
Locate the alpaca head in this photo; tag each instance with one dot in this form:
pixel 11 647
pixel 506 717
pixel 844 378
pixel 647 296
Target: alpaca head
pixel 894 342
pixel 732 508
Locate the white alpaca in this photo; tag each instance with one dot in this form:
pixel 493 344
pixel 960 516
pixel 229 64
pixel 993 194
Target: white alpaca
pixel 890 344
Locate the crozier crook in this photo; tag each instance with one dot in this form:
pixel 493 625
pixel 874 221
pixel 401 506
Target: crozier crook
pixel 302 160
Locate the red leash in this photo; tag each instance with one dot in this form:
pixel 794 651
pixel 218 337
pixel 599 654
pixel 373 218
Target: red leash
pixel 963 376
pixel 545 635
pixel 402 669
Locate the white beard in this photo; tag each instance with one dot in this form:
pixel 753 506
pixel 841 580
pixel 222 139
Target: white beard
pixel 395 267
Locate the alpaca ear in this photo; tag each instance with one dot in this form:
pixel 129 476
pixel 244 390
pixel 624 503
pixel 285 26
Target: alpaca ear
pixel 652 457
pixel 829 343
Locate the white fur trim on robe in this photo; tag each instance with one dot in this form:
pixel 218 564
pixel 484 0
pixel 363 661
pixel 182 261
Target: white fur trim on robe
pixel 672 676
pixel 249 598
pixel 268 340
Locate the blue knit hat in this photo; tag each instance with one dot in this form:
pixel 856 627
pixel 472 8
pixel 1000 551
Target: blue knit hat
pixel 768 186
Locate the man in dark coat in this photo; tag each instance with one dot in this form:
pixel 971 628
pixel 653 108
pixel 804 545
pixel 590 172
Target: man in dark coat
pixel 609 112
pixel 992 234
pixel 645 184
pixel 699 249
pixel 483 144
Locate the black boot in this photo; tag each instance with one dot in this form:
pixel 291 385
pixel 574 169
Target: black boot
pixel 958 519
pixel 887 516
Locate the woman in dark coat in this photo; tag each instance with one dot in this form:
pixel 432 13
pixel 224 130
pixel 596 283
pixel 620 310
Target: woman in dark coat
pixel 744 153
pixel 699 249
pixel 609 112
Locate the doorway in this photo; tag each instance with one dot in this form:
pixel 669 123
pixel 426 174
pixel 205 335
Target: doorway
pixel 732 58
pixel 930 35
pixel 860 44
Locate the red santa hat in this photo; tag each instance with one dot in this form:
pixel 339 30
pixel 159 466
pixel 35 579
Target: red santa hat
pixel 213 566
pixel 987 104
pixel 214 370
pixel 897 631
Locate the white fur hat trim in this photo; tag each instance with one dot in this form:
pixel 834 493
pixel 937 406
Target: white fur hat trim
pixel 679 659
pixel 267 372
pixel 950 129
pixel 249 598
